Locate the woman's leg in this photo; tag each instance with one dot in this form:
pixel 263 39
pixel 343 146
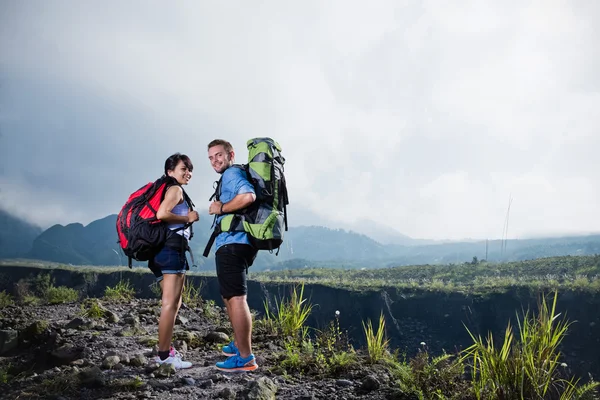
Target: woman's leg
pixel 172 287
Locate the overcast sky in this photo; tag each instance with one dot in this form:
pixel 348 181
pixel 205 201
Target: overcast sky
pixel 421 115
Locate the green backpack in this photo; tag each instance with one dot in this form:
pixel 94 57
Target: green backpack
pixel 265 220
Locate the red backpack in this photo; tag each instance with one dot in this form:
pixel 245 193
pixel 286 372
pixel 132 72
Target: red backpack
pixel 141 234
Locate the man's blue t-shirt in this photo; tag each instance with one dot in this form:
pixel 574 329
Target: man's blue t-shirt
pixel 233 182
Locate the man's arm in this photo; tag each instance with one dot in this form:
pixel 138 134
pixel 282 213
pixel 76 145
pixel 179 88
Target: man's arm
pixel 239 202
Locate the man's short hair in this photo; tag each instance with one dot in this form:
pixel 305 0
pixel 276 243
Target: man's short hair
pixel 220 142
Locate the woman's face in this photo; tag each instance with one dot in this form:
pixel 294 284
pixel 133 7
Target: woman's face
pixel 181 173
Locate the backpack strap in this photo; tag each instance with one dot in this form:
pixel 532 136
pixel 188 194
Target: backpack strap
pixel 217 196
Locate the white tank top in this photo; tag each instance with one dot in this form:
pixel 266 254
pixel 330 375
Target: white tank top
pixel 182 209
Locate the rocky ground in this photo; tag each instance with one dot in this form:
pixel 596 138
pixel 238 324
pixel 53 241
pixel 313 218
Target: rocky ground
pixel 53 351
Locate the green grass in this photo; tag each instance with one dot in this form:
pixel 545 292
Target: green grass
pixel 528 368
pixel 191 294
pixel 122 291
pixel 578 273
pixel 61 294
pixel 377 343
pixel 5 299
pixel 4 375
pixel 290 316
pixel 91 308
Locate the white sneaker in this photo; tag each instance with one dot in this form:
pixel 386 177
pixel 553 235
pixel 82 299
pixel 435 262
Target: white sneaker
pixel 175 360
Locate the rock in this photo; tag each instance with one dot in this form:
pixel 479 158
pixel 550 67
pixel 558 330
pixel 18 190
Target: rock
pixel 79 362
pixel 206 384
pixel 227 393
pixel 81 324
pixel 306 397
pixel 185 336
pixel 370 383
pixel 111 317
pixel 188 381
pixel 110 362
pixel 343 383
pixel 9 340
pixel 261 389
pixel 132 320
pixel 181 320
pixel 165 370
pixel 66 354
pixel 124 358
pixel 92 377
pixel 139 360
pixel 216 337
pixel 35 329
pixel 181 345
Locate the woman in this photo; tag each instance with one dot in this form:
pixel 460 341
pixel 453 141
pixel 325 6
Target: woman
pixel 170 264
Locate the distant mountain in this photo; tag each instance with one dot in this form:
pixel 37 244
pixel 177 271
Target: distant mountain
pixel 300 216
pixel 96 244
pixel 16 236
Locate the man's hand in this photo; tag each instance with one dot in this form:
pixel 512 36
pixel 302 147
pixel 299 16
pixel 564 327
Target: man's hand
pixel 215 208
pixel 193 217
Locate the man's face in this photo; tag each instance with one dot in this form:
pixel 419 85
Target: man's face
pixel 219 159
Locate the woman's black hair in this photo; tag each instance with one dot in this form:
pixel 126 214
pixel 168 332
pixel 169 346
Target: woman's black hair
pixel 172 162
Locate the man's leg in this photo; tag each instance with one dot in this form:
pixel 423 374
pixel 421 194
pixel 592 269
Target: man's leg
pixel 241 321
pixel 172 286
pixel 228 308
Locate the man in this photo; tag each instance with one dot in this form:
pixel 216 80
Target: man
pixel 234 254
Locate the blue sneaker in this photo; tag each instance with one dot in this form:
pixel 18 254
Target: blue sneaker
pixel 230 350
pixel 237 363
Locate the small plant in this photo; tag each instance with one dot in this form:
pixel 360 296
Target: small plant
pixel 377 343
pixel 91 308
pixel 148 341
pixel 61 294
pixel 41 284
pixel 30 300
pixel 191 295
pixel 208 309
pixel 156 290
pixel 133 384
pixel 4 376
pixel 291 315
pixel 333 339
pixel 58 385
pixel 341 361
pixel 122 291
pixel 438 377
pixel 292 360
pixel 5 299
pixel 529 368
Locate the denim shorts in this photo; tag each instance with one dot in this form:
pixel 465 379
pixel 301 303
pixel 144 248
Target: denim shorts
pixel 169 260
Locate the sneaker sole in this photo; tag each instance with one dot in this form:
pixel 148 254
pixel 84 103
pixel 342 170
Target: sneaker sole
pixel 239 369
pixel 229 354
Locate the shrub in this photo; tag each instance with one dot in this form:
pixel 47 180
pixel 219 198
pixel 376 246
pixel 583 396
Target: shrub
pixel 122 291
pixel 377 343
pixel 528 369
pixel 291 315
pixel 61 294
pixel 91 308
pixel 5 299
pixel 191 294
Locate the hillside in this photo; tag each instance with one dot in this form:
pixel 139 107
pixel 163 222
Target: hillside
pixel 16 236
pixel 312 246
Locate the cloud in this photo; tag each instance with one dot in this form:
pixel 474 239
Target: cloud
pixel 422 116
